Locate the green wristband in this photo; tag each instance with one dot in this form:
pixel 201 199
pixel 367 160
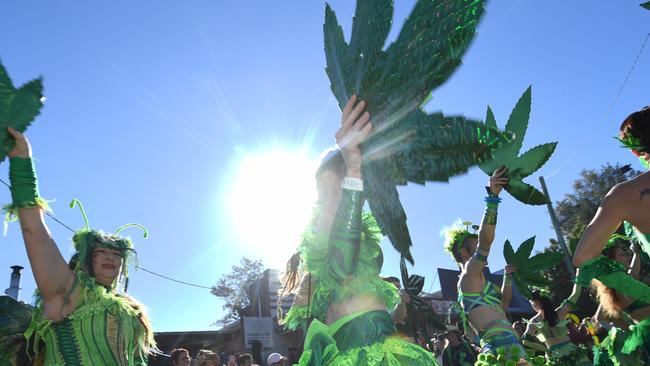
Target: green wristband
pixel 24 185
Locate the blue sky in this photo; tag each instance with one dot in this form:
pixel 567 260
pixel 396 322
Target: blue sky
pixel 152 105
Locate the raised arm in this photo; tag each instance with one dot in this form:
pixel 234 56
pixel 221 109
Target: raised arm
pixel 570 302
pixel 345 235
pixel 608 218
pixel 487 230
pixel 50 270
pixel 506 287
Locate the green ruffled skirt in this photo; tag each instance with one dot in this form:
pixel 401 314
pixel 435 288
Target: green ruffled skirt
pixel 360 339
pixel 622 347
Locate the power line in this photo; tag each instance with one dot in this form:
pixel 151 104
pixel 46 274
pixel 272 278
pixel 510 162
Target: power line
pixel 137 266
pixel 607 112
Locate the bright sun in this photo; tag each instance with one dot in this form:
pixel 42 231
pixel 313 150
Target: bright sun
pixel 269 202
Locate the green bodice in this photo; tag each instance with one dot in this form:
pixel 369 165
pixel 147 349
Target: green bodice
pixel 104 329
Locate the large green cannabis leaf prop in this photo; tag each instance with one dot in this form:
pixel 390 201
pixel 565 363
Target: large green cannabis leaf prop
pixel 407 144
pixel 18 108
pixel 519 166
pixel 528 274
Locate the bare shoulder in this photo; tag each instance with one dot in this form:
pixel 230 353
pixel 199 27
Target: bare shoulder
pixel 634 189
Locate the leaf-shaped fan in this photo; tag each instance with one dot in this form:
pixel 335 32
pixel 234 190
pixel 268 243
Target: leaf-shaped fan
pixel 18 107
pixel 519 166
pixel 407 144
pixel 646 5
pixel 529 269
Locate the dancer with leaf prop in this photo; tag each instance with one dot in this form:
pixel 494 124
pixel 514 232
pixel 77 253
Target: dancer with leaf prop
pixel 81 316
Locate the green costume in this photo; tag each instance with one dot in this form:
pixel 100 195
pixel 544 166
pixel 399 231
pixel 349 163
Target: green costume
pixel 105 328
pixel 342 265
pixel 560 349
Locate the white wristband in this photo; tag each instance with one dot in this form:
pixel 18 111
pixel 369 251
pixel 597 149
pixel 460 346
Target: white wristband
pixel 354 184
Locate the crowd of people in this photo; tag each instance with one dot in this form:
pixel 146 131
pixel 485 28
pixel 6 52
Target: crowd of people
pixel 181 357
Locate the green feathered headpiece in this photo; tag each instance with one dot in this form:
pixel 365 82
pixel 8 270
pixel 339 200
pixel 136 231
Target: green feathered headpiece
pixel 85 240
pixel 456 234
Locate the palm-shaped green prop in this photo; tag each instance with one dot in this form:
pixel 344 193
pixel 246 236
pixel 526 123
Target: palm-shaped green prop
pixel 407 144
pixel 18 108
pixel 528 274
pixel 519 166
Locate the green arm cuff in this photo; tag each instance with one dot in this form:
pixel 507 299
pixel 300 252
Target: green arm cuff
pixel 24 188
pixel 345 236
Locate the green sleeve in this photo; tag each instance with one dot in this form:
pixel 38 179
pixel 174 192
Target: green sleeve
pixel 345 236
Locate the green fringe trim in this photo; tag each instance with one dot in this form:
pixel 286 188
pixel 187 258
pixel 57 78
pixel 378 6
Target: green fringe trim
pixel 11 210
pixel 325 290
pixel 96 299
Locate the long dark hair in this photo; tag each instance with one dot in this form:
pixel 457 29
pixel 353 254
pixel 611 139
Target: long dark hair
pixel 548 311
pixel 637 125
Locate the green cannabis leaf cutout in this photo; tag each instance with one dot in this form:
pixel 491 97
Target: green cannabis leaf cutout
pixel 519 166
pixel 407 144
pixel 528 274
pixel 18 108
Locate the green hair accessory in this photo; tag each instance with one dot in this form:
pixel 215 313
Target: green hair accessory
pixel 631 142
pixel 615 240
pixel 456 234
pixel 85 240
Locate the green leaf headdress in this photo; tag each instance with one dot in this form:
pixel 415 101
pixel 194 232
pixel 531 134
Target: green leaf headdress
pixel 519 166
pixel 528 274
pixel 456 234
pixel 407 144
pixel 87 239
pixel 18 108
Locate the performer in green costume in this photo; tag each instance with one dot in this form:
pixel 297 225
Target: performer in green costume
pixel 341 260
pixel 481 301
pixel 81 318
pixel 627 345
pixel 626 203
pixel 549 326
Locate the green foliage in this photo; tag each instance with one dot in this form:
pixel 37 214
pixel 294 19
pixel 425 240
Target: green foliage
pixel 529 269
pixel 519 166
pixel 646 5
pixel 407 144
pixel 234 288
pixel 18 107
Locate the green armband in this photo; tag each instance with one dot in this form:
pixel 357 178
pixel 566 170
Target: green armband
pixel 345 236
pixel 24 187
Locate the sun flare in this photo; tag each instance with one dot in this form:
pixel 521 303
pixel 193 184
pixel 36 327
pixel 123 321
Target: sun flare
pixel 270 200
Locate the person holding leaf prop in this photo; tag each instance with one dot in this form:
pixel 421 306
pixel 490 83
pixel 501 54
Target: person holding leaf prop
pixel 480 300
pixel 80 315
pixel 341 260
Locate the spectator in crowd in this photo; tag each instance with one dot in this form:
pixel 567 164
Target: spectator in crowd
pixel 245 359
pixel 276 359
pixel 180 357
pixel 293 355
pixel 207 358
pixel 457 352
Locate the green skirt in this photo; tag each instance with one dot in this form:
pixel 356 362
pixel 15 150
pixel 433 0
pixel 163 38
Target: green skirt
pixel 359 339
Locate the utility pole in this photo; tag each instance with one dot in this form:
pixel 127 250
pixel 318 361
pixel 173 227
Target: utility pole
pixel 558 231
